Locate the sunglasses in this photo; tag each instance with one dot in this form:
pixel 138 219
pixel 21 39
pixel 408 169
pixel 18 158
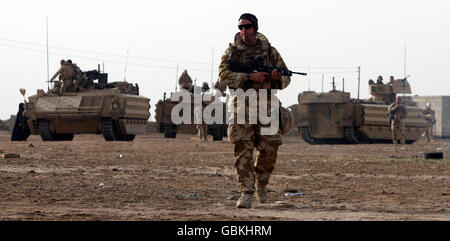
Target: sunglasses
pixel 246 26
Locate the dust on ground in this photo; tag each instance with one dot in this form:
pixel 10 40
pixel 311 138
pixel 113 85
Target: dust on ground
pixel 154 178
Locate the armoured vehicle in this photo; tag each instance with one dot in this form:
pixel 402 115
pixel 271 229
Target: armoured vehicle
pixel 165 124
pixel 335 118
pixel 115 110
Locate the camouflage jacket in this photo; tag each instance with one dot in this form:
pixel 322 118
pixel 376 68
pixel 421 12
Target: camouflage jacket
pixel 430 115
pixel 398 110
pixel 65 72
pixel 185 81
pixel 238 51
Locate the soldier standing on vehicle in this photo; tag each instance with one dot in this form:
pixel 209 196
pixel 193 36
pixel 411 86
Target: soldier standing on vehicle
pixel 185 81
pixel 66 74
pixel 391 80
pixel 247 44
pixel 380 80
pixel 430 117
pixel 78 75
pixel 397 116
pixel 57 84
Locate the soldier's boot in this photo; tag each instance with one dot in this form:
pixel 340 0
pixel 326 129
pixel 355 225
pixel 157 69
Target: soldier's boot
pixel 261 193
pixel 402 141
pixel 245 201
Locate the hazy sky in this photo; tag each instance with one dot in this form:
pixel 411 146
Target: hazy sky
pixel 331 37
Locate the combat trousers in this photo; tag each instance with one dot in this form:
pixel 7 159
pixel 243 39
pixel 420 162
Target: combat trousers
pixel 202 131
pixel 429 133
pixel 67 85
pixel 398 131
pixel 245 138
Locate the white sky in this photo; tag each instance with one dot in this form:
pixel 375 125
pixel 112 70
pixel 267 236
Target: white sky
pixel 315 33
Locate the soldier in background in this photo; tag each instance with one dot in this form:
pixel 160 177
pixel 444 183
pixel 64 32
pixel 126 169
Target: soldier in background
pixel 397 116
pixel 57 84
pixel 185 81
pixel 221 88
pixel 380 80
pixel 246 137
pixel 66 74
pixel 78 74
pixel 202 128
pixel 391 80
pixel 430 117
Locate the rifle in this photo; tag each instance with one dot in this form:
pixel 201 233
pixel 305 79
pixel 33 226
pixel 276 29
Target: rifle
pixel 391 117
pixel 256 64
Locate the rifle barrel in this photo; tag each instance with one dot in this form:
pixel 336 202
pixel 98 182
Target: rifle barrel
pixel 300 73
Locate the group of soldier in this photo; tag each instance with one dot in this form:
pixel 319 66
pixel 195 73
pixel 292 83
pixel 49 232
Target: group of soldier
pixel 70 77
pixel 253 173
pixel 397 115
pixel 380 80
pixel 185 82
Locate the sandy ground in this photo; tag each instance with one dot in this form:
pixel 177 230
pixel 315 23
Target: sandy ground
pixel 154 178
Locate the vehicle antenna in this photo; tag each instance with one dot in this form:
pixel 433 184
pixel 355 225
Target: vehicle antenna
pixel 322 82
pixel 126 64
pixel 212 67
pixel 48 68
pixel 176 78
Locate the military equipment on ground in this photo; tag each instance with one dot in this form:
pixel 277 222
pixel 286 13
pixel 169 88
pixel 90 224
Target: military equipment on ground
pixel 335 118
pixel 113 109
pixel 164 123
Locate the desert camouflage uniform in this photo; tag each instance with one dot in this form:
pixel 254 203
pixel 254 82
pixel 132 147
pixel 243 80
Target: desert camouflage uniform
pixel 201 128
pixel 66 73
pixel 185 81
pixel 246 137
pixel 398 124
pixel 430 117
pixel 78 75
pixel 220 87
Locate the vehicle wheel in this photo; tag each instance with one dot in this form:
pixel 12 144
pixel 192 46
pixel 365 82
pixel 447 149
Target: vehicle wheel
pixel 217 134
pixel 109 130
pixel 224 130
pixel 170 131
pixel 161 127
pixel 306 135
pixel 45 130
pixel 352 136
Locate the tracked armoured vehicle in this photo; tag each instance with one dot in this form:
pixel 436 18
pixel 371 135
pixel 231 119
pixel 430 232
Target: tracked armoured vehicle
pixel 335 118
pixel 115 110
pixel 164 123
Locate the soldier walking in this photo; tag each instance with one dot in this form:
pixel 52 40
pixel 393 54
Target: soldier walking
pixel 249 43
pixel 430 117
pixel 397 115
